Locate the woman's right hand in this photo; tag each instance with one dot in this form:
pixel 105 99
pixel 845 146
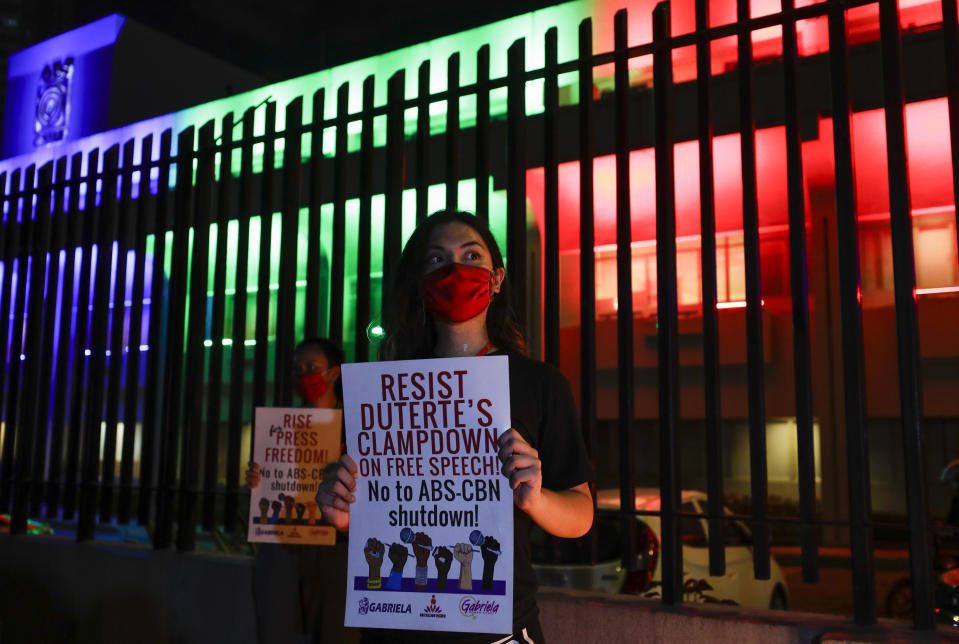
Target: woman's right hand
pixel 336 492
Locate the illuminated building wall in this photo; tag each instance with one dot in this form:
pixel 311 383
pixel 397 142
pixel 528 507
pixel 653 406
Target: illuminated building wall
pixel 107 74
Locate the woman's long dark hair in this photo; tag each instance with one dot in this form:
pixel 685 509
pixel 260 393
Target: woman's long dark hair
pixel 410 331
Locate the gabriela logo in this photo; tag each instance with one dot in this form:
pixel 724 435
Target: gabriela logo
pixel 433 609
pixel 366 606
pixel 471 607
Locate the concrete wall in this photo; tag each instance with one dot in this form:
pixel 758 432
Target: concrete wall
pixel 53 590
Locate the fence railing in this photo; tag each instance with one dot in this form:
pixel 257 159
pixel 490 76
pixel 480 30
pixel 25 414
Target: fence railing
pixel 169 380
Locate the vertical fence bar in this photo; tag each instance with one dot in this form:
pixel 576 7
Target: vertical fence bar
pixel 624 295
pixel 71 242
pixel 81 351
pixel 289 235
pixel 11 236
pixel 80 340
pixel 850 311
pixel 482 134
pixel 99 344
pixel 114 369
pixel 337 272
pixel 56 237
pixel 361 342
pixel 33 348
pixel 587 256
pixel 261 350
pixel 707 212
pixel 311 313
pixel 196 333
pixel 452 131
pixel 587 238
pixel 23 205
pixel 422 141
pixel 172 412
pixel 231 506
pixel 134 344
pixel 907 316
pixel 950 42
pixel 551 202
pixel 395 178
pixel 157 330
pixel 516 246
pixel 667 313
pixel 799 288
pixel 224 210
pixel 758 477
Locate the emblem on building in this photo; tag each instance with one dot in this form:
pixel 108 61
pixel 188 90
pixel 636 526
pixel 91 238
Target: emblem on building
pixel 53 102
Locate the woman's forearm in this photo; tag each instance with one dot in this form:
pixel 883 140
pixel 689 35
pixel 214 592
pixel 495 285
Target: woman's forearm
pixel 565 513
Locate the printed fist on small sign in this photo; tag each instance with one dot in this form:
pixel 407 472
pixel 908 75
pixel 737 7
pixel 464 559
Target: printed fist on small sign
pixel 490 551
pixel 463 552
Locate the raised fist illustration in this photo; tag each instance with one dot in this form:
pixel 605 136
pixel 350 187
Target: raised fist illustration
pixel 276 507
pixel 491 552
pixel 264 509
pixel 398 555
pixel 374 558
pixel 300 511
pixel 463 552
pixel 288 503
pixel 443 559
pixel 422 546
pixel 311 508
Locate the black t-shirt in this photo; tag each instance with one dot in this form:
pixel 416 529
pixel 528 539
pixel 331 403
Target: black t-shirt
pixel 543 412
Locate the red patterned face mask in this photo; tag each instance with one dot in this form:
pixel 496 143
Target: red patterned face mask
pixel 457 292
pixel 310 386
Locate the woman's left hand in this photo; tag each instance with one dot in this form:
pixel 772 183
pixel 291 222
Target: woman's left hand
pixel 521 465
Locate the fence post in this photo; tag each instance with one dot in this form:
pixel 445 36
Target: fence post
pixel 114 372
pixel 172 412
pixel 907 315
pixel 93 410
pixel 37 318
pixel 516 250
pixel 136 331
pixel 624 309
pixel 71 242
pixel 231 507
pixel 157 333
pixel 850 310
pixel 361 318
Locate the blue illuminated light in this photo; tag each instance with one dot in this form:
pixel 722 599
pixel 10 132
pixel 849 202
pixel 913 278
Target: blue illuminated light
pixel 58 90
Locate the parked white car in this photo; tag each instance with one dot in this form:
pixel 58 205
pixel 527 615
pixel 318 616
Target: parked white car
pixel 565 562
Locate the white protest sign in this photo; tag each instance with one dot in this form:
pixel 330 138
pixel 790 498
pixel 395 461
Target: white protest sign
pixel 431 530
pixel 291 447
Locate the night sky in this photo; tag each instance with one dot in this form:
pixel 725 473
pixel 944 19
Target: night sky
pixel 280 39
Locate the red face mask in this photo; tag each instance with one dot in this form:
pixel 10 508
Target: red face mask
pixel 310 386
pixel 457 292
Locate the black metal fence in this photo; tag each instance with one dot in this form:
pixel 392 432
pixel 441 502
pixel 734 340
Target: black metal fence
pixel 77 368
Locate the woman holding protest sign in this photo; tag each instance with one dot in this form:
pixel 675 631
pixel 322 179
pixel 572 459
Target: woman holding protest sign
pixel 291 582
pixel 450 298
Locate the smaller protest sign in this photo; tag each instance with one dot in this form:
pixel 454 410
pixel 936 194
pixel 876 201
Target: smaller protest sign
pixel 291 446
pixel 431 530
